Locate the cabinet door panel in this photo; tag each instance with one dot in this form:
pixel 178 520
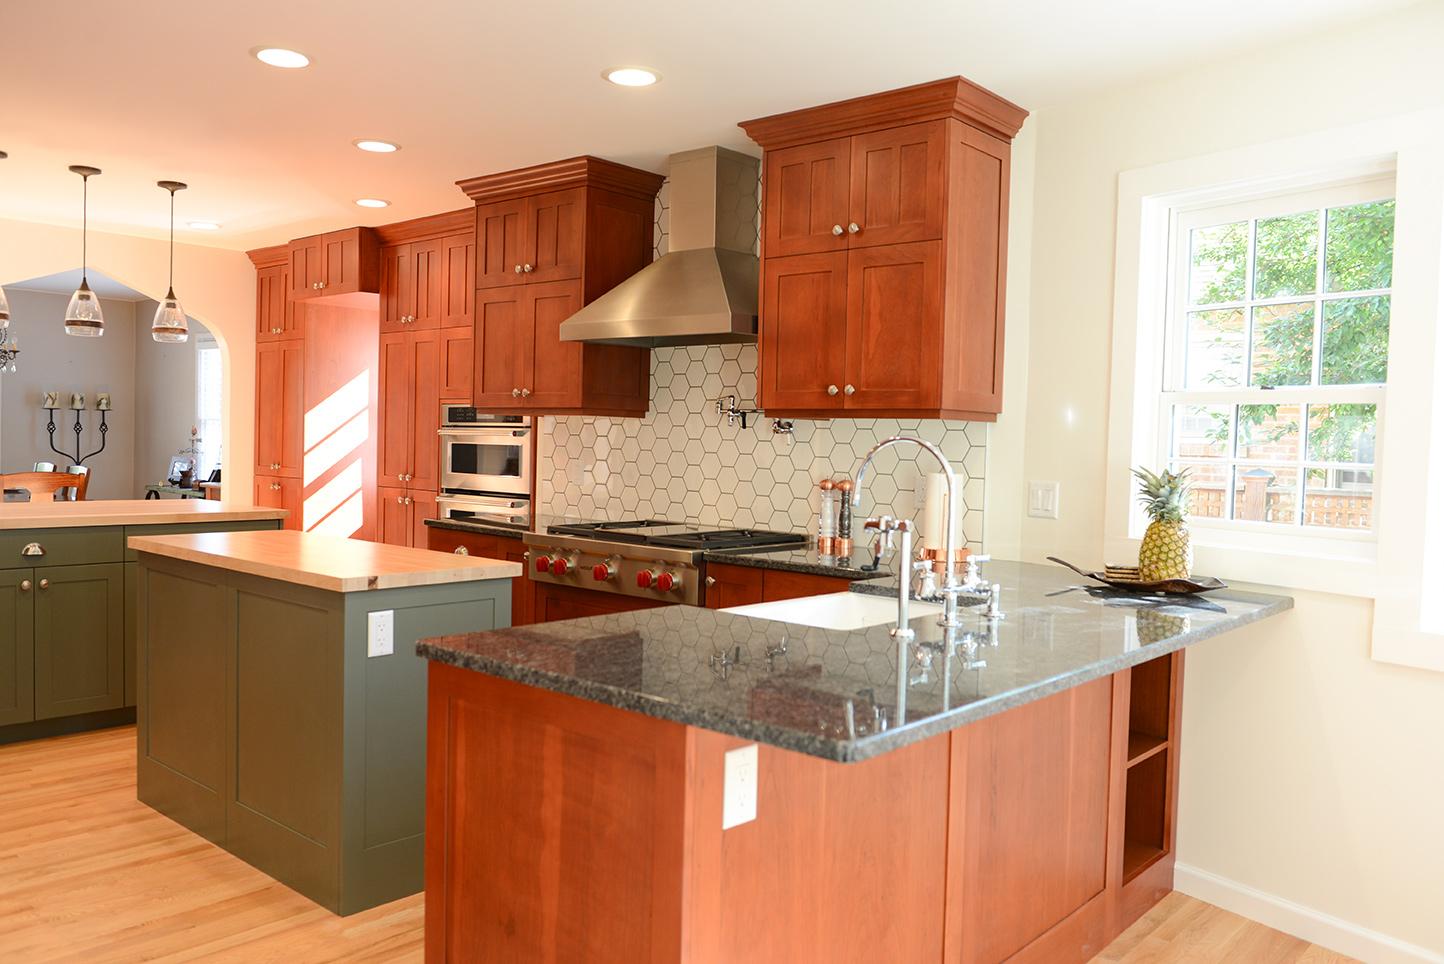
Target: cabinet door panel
pixel 458 279
pixel 457 357
pixel 423 507
pixel 522 594
pixel 732 586
pixel 393 517
pixel 79 639
pixel 501 334
pixel 804 331
pixel 898 184
pixel 426 272
pixel 280 375
pixel 806 190
pixel 272 302
pixel 277 493
pixel 394 404
pixel 398 286
pixel 17 646
pixel 499 242
pixel 895 326
pixel 553 237
pixel 555 366
pixel 341 262
pixel 425 365
pixel 306 267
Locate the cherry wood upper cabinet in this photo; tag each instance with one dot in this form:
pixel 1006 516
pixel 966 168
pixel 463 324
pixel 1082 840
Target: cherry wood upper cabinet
pixel 910 187
pixel 336 263
pixel 280 375
pixel 276 315
pixel 458 279
pixel 548 240
pixel 456 363
pixel 398 285
pixel 410 408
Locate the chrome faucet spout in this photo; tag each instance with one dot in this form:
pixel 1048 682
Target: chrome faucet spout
pixel 951 587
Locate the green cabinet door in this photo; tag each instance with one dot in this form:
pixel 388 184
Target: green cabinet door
pixel 79 639
pixel 17 631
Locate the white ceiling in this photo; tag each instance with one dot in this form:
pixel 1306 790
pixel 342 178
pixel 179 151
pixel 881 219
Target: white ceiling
pixel 65 283
pixel 167 89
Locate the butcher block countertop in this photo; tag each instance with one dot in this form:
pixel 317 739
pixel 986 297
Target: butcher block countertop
pixel 126 512
pixel 324 562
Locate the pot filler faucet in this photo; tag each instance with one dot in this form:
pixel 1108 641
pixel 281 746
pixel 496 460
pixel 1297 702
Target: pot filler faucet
pixel 974 586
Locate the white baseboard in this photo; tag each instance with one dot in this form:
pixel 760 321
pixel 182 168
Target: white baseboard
pixel 1300 921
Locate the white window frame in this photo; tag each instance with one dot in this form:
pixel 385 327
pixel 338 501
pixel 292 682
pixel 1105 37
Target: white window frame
pixel 1402 569
pixel 1182 220
pixel 206 343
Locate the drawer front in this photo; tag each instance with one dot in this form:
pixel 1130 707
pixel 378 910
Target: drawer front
pixel 61 547
pixel 183 528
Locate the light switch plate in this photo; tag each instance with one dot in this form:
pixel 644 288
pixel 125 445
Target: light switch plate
pixel 1043 500
pixel 381 632
pixel 739 786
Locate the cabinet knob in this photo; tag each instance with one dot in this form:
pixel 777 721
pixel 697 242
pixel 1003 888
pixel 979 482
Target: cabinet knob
pixel 525 392
pixel 516 393
pixel 526 268
pixel 275 486
pixel 320 284
pixel 408 500
pixel 400 477
pixel 852 227
pixel 849 390
pixel 25 585
pixel 518 269
pixel 711 580
pixel 837 229
pixel 45 584
pixel 462 551
pixel 401 500
pixel 408 477
pixel 832 389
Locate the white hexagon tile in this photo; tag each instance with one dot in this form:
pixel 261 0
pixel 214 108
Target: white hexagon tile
pixel 683 462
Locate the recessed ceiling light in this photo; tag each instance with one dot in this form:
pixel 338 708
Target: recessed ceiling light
pixel 631 76
pixel 375 146
pixel 281 57
pixel 203 225
pixel 372 202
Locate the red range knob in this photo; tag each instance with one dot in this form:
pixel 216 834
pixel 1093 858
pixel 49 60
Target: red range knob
pixel 645 578
pixel 601 572
pixel 561 566
pixel 543 563
pixel 667 582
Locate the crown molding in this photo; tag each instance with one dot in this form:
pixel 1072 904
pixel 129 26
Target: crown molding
pixel 558 175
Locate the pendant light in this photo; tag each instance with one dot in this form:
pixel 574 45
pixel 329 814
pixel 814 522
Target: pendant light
pixel 169 324
pixel 83 316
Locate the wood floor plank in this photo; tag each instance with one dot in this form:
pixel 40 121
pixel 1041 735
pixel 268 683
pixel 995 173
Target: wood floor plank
pixel 88 873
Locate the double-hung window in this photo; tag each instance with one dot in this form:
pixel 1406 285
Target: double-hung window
pixel 1276 353
pixel 208 405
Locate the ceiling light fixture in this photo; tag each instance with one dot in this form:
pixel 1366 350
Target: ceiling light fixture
pixel 281 57
pixel 372 202
pixel 631 76
pixel 375 146
pixel 203 225
pixel 169 324
pixel 83 316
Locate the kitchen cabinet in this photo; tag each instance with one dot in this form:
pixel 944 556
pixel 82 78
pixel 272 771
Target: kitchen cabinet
pixel 335 263
pixel 553 603
pixel 17 649
pixel 489 547
pixel 411 285
pixel 276 315
pixel 410 409
pixel 458 279
pixel 883 251
pixel 79 619
pixel 402 514
pixel 729 585
pixel 280 414
pixel 273 492
pixel 549 239
pixel 456 349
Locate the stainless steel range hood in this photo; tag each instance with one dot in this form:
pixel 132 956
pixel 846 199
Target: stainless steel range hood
pixel 704 290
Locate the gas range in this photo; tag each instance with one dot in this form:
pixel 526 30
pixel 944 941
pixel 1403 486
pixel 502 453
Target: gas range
pixel 645 558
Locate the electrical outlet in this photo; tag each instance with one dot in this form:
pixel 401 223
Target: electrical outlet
pixel 739 786
pixel 1043 500
pixel 381 632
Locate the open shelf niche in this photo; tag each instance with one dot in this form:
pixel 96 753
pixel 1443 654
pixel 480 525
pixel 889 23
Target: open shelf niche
pixel 1146 836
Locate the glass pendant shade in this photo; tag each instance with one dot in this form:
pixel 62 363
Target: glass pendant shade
pixel 169 324
pixel 83 316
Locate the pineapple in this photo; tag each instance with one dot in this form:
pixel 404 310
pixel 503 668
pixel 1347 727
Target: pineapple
pixel 1167 551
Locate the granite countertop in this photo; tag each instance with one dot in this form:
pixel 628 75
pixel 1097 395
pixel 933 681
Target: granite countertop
pixel 538 523
pixel 806 560
pixel 324 562
pixel 126 512
pixel 849 696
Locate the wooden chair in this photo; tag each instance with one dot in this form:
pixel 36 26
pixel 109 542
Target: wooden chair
pixel 40 484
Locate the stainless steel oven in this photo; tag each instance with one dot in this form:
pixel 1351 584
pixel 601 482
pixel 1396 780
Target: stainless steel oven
pixel 484 453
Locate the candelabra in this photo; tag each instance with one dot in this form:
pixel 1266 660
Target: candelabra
pixel 77 404
pixel 9 349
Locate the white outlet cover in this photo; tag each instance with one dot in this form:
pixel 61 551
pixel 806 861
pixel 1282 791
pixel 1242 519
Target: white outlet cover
pixel 739 786
pixel 381 632
pixel 1043 500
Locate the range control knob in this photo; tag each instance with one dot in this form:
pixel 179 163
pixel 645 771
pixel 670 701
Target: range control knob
pixel 645 579
pixel 669 581
pixel 603 571
pixel 543 563
pixel 561 565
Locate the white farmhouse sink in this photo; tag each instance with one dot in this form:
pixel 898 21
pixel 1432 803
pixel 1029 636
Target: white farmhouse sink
pixel 836 610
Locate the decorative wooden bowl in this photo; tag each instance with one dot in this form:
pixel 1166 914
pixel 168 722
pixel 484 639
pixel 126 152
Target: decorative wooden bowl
pixel 1126 578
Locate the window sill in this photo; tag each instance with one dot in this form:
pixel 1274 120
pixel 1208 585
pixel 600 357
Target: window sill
pixel 1341 567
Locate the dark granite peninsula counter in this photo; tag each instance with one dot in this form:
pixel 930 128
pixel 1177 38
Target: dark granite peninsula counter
pixel 1006 790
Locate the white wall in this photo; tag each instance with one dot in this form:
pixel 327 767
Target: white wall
pixel 217 287
pixel 165 397
pixel 51 360
pixel 1310 773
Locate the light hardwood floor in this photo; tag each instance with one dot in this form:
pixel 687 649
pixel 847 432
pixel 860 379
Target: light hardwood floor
pixel 87 873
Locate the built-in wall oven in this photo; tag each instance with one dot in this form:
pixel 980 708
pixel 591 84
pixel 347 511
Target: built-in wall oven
pixel 485 465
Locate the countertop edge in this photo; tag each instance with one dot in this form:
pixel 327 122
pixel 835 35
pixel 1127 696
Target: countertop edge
pixel 11 523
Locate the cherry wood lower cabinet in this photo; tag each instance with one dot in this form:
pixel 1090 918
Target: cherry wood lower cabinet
pixel 743 585
pixel 401 515
pixel 562 829
pixel 489 547
pixel 274 492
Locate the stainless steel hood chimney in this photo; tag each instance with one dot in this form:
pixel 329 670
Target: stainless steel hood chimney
pixel 704 290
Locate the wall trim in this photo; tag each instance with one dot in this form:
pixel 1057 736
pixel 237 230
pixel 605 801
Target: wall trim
pixel 1302 922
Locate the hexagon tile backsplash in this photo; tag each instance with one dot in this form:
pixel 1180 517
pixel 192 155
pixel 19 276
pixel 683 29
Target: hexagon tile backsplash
pixel 683 462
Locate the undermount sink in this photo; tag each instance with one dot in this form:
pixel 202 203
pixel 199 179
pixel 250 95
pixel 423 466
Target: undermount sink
pixel 836 610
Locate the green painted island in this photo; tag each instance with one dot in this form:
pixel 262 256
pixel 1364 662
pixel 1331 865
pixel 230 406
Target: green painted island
pixel 282 706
